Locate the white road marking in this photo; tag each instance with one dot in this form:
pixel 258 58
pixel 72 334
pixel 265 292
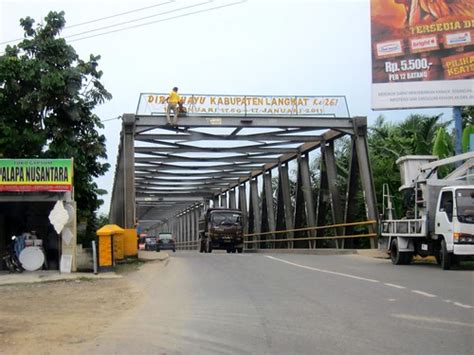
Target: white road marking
pixel 432 320
pixel 392 299
pixel 395 286
pixel 426 294
pixel 462 305
pixel 322 270
pixel 422 293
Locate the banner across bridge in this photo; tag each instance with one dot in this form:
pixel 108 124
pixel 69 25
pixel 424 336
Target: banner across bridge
pixel 236 105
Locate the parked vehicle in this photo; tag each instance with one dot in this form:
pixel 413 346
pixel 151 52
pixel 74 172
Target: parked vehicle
pixel 165 241
pixel 221 228
pixel 440 220
pixel 10 258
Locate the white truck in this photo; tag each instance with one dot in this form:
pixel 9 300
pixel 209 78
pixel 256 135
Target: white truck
pixel 440 212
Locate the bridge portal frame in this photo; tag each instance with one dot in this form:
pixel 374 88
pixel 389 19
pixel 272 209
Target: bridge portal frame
pixel 137 176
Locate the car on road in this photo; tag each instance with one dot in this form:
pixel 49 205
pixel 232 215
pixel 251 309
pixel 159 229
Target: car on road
pixel 165 241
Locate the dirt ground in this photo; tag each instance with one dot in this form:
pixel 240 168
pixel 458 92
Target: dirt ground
pixel 46 317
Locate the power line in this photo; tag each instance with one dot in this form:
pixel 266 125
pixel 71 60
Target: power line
pixel 111 119
pixel 103 18
pixel 137 19
pixel 121 14
pixel 157 21
pixel 148 23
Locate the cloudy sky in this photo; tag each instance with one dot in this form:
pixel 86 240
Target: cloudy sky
pixel 253 47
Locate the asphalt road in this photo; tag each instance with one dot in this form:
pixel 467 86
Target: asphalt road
pixel 294 304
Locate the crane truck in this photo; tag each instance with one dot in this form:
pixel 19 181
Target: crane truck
pixel 439 220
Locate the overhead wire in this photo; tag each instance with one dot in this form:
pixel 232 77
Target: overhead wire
pixel 137 19
pixel 157 21
pixel 111 119
pixel 162 20
pixel 103 18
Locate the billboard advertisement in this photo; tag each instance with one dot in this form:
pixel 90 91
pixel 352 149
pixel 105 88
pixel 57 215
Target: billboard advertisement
pixel 32 175
pixel 235 105
pixel 422 53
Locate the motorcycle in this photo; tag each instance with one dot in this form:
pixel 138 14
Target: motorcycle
pixel 10 258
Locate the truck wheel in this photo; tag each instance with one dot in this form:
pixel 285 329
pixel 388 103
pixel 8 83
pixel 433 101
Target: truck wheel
pixel 398 257
pixel 229 251
pixel 240 250
pixel 445 257
pixel 234 250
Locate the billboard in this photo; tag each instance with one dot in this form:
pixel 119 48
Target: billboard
pixel 422 53
pixel 235 105
pixel 32 175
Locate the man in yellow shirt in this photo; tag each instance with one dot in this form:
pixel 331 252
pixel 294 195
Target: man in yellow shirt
pixel 172 100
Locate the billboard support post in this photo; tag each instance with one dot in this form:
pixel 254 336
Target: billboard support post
pixel 458 128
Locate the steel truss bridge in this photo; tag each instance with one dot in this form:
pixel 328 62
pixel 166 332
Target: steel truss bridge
pixel 167 176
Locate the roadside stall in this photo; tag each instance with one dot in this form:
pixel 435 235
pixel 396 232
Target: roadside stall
pixel 38 213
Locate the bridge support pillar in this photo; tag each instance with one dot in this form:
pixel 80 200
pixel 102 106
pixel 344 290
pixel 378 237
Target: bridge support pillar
pixel 331 170
pixel 181 228
pixel 284 207
pixel 243 207
pixel 365 171
pixel 189 231
pixel 196 211
pixel 267 207
pixel 224 200
pixel 303 162
pixel 232 201
pixel 254 211
pixel 129 170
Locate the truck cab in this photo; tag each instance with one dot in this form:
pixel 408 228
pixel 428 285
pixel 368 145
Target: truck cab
pixel 454 223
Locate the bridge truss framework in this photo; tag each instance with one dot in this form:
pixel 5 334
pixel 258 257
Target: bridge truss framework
pixel 167 176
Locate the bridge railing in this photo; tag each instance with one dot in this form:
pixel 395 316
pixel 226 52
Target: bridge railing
pixel 188 245
pixel 270 243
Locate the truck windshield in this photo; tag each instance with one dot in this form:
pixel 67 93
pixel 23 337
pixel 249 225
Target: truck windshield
pixel 221 218
pixel 465 205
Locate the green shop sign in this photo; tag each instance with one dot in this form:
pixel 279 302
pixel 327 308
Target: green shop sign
pixel 31 175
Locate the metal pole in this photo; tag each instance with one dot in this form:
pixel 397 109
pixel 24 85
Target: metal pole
pixel 94 257
pixel 458 128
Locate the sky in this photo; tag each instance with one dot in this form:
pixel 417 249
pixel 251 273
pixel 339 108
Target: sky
pixel 253 47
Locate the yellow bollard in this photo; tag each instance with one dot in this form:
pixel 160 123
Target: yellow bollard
pixel 118 246
pixel 109 246
pixel 130 242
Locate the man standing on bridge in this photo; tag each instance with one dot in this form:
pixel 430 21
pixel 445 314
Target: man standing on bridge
pixel 173 101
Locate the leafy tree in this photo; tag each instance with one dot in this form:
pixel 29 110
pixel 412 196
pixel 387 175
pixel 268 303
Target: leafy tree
pixel 466 134
pixel 418 132
pixel 418 135
pixel 467 114
pixel 47 98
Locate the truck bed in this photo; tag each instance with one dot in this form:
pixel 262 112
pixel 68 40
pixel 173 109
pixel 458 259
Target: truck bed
pixel 404 228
